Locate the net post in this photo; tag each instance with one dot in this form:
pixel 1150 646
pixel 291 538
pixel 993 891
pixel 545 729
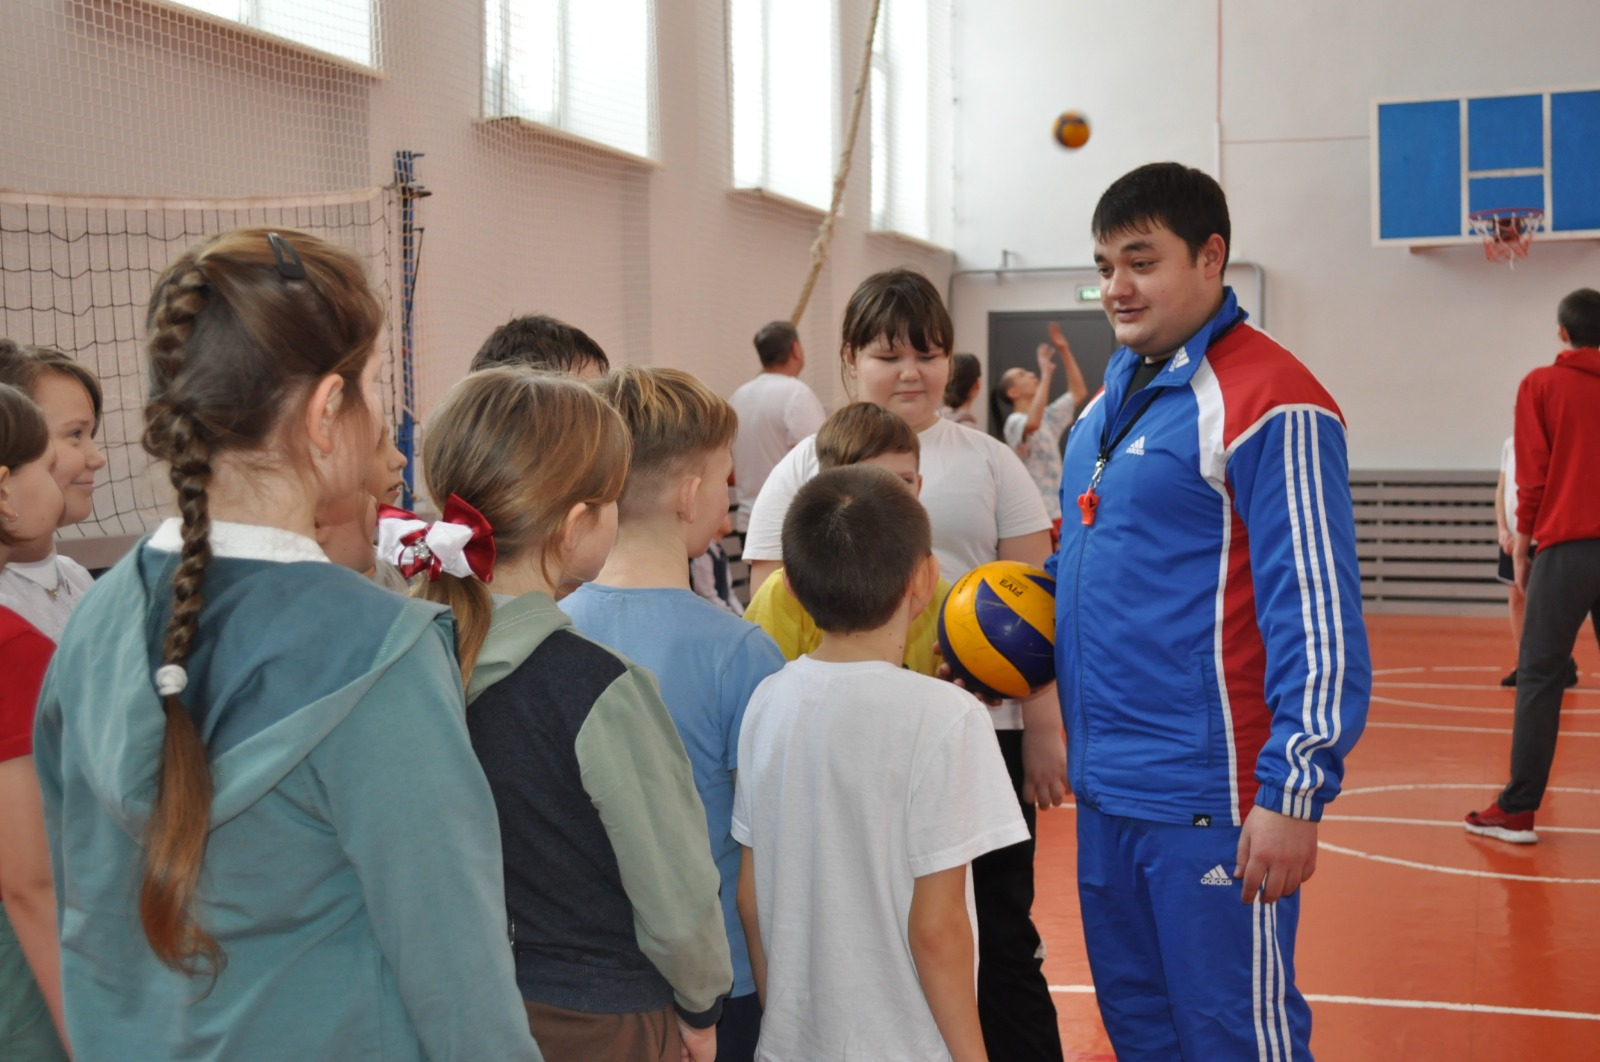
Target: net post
pixel 409 191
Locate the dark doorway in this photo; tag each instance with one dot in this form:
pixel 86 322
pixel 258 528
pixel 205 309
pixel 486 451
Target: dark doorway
pixel 1015 337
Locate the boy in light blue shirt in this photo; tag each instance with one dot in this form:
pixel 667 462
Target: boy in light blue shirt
pixel 706 660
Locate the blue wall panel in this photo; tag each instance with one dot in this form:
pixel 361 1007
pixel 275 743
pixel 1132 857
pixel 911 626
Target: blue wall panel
pixel 1575 160
pixel 1505 132
pixel 1486 192
pixel 1419 169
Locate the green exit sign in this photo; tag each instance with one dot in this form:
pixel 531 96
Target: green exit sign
pixel 1088 294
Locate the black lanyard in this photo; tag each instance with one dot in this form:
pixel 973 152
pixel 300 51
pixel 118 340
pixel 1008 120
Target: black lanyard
pixel 1106 448
pixel 1089 501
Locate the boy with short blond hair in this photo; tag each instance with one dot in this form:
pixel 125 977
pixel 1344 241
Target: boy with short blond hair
pixel 865 791
pixel 707 660
pixel 858 434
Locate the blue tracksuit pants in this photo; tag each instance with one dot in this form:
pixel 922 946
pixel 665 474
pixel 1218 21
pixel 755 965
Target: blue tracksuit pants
pixel 1182 969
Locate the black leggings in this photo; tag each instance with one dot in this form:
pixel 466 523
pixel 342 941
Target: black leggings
pixel 1014 1005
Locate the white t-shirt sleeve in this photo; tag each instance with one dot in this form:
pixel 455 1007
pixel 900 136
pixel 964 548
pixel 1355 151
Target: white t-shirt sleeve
pixel 1016 424
pixel 1058 415
pixel 1018 508
pixel 962 804
pixel 764 540
pixel 803 415
pixel 739 826
pixel 1508 465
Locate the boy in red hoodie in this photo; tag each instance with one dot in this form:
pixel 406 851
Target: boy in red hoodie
pixel 1558 506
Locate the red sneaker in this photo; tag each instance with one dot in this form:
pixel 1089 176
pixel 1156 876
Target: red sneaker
pixel 1492 822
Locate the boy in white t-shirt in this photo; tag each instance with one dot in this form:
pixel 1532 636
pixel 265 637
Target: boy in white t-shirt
pixel 864 793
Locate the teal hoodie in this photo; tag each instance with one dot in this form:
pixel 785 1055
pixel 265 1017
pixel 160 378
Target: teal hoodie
pixel 352 872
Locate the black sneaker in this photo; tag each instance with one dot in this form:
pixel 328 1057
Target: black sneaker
pixel 1510 679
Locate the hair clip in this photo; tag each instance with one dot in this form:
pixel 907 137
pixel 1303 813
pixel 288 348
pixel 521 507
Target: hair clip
pixel 289 265
pixel 461 544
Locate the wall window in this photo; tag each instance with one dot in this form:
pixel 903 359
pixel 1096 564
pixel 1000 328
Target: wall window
pixel 586 67
pixel 911 121
pixel 783 74
pixel 339 27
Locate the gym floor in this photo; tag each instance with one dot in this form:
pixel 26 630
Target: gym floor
pixel 1417 941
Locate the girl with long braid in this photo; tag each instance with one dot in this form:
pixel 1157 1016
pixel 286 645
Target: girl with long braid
pixel 269 833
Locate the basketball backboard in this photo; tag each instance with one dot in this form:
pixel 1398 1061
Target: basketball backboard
pixel 1434 161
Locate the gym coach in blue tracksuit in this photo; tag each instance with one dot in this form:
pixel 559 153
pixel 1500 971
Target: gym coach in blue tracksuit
pixel 1211 658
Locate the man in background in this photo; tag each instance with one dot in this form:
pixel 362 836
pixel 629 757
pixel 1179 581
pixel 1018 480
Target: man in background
pixel 776 410
pixel 1558 506
pixel 537 341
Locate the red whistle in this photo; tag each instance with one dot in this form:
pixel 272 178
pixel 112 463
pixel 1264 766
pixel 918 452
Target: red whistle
pixel 1088 502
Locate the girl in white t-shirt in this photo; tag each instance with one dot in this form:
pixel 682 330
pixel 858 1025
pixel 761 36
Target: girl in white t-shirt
pixel 40 584
pixel 895 353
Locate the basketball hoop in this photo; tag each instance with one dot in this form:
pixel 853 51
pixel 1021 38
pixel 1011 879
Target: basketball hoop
pixel 1506 231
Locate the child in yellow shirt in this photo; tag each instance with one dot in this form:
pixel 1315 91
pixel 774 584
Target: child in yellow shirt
pixel 858 434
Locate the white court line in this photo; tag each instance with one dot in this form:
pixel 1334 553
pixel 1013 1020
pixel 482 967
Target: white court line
pixel 1500 710
pixel 1402 1004
pixel 1410 787
pixel 1467 729
pixel 1458 871
pixel 1454 824
pixel 1470 1008
pixel 1494 688
pixel 1452 669
pixel 1406 787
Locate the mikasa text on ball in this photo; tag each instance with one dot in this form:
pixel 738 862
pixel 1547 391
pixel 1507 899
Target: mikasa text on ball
pixel 997 628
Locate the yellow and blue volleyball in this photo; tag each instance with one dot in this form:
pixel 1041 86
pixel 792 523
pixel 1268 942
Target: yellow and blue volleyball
pixel 997 629
pixel 1072 130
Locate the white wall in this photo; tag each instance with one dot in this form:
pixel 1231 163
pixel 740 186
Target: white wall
pixel 1423 351
pixel 661 263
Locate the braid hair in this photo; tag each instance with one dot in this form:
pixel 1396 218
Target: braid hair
pixel 180 819
pixel 239 329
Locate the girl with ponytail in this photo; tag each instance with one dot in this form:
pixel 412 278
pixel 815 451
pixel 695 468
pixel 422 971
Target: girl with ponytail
pixel 271 837
pixel 611 891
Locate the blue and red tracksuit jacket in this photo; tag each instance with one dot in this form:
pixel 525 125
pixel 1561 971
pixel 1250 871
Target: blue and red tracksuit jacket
pixel 1210 650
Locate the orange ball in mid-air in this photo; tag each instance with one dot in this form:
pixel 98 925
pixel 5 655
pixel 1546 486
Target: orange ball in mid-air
pixel 1072 130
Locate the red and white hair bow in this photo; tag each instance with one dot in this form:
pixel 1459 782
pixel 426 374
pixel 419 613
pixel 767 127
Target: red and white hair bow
pixel 462 543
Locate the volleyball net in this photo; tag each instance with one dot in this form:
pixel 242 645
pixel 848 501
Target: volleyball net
pixel 76 274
